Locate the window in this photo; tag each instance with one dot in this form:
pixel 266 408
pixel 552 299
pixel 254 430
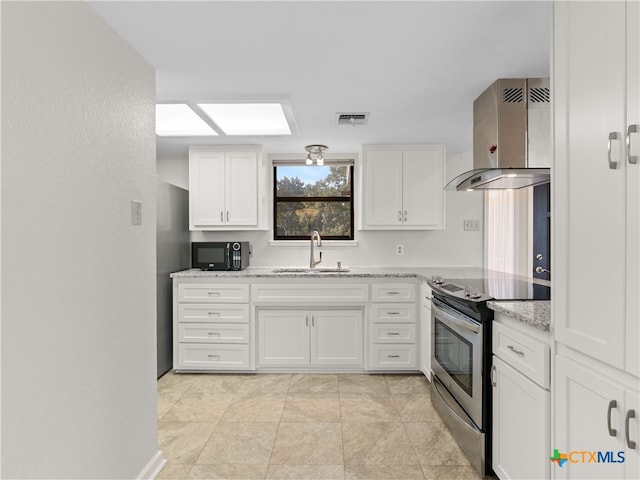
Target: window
pixel 308 198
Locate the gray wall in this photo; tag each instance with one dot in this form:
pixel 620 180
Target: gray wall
pixel 78 279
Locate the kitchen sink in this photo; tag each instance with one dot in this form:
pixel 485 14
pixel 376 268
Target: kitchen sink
pixel 312 270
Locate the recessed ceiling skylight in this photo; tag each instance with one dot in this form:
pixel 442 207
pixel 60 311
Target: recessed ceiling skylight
pixel 179 120
pixel 248 118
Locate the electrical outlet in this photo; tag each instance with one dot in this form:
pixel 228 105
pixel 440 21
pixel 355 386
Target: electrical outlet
pixel 400 249
pixel 472 225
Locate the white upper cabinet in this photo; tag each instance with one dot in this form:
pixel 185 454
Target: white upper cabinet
pixel 403 187
pixel 226 188
pixel 596 185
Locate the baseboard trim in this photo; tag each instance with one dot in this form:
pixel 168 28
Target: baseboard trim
pixel 153 468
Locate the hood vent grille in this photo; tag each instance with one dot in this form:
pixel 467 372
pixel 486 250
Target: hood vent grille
pixel 513 95
pixel 539 95
pixel 352 119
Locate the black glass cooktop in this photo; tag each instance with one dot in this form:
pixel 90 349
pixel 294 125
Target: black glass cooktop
pixel 500 288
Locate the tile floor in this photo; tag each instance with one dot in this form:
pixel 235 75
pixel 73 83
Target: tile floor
pixel 304 426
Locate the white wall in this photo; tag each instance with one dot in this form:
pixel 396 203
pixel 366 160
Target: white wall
pixel 449 247
pixel 78 280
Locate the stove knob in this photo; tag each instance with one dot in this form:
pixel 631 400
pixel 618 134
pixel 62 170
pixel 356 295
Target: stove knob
pixel 471 292
pixel 437 280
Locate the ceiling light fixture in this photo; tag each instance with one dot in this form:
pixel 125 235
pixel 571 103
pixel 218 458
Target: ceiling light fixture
pixel 248 118
pixel 177 119
pixel 317 151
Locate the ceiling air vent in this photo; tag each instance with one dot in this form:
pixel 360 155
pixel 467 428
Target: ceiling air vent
pixel 352 119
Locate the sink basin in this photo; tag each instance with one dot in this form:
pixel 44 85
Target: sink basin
pixel 312 270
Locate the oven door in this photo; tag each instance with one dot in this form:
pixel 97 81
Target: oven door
pixel 456 357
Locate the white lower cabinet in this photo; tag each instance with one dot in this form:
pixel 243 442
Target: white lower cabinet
pixel 317 337
pixel 521 407
pixel 393 330
pixel 597 415
pixel 212 328
pixel 520 425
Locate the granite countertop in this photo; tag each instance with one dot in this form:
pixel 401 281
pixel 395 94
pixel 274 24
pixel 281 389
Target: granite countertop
pixel 536 313
pixel 422 273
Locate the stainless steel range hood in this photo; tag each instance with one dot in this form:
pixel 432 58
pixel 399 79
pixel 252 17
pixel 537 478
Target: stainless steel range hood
pixel 511 136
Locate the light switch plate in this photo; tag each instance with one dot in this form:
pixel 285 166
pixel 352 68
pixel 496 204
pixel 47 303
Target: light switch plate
pixel 136 212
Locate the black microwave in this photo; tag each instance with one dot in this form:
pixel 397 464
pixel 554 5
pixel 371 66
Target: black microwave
pixel 220 255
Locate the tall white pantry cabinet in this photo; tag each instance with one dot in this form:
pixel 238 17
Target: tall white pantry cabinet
pixel 596 189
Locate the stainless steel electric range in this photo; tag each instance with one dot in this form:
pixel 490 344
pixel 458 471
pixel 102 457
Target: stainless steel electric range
pixel 461 356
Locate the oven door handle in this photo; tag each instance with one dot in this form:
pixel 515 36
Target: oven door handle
pixel 460 322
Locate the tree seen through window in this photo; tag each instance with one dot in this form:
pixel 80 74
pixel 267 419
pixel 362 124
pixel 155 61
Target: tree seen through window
pixel 308 198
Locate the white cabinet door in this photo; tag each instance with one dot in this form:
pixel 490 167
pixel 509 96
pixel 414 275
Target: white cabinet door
pixel 584 412
pixel 633 190
pixel 304 337
pixel 336 337
pixel 521 411
pixel 422 182
pixel 403 187
pixel 224 188
pixel 283 337
pixel 206 189
pixel 241 184
pixel 383 187
pixel 589 210
pixel 632 434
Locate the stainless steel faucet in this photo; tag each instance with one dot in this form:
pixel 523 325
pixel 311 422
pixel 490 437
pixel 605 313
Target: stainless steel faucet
pixel 312 260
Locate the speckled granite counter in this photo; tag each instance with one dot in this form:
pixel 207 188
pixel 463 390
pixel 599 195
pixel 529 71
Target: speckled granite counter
pixel 422 273
pixel 536 313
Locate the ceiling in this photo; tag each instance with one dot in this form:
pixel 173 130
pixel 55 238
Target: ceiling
pixel 415 66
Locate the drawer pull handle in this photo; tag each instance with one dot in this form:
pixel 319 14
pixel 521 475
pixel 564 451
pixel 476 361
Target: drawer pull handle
pixel 493 378
pixel 612 431
pixel 393 313
pixel 393 333
pixel 213 356
pixel 211 314
pixel 213 294
pixel 630 443
pixel 213 333
pixel 393 293
pixel 393 356
pixel 515 350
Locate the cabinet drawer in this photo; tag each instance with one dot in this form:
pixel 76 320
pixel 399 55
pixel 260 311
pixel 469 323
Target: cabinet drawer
pixel 213 293
pixel 393 312
pixel 393 292
pixel 398 357
pixel 310 293
pixel 201 312
pixel 205 356
pixel 213 332
pixel 393 333
pixel 525 354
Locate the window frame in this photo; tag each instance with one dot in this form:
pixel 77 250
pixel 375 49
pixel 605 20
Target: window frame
pixel 276 200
